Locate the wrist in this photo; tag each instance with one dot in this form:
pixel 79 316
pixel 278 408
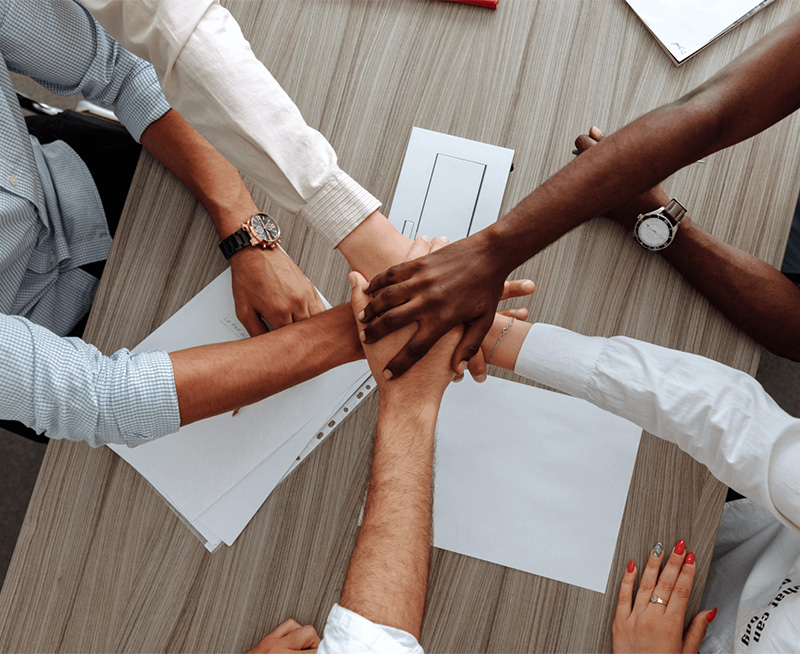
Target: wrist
pixel 395 407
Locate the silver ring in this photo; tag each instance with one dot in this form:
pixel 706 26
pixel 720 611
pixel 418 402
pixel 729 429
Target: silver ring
pixel 657 600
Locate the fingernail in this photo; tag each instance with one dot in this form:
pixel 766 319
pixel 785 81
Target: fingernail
pixel 711 615
pixel 458 379
pixel 689 558
pixel 362 336
pixel 387 374
pixel 426 239
pixel 597 129
pixel 480 379
pixel 658 549
pixel 680 548
pixel 528 285
pixel 361 316
pixel 444 239
pixel 631 566
pixel 461 367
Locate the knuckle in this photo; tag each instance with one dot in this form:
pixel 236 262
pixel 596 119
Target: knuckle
pixel 682 591
pixel 417 349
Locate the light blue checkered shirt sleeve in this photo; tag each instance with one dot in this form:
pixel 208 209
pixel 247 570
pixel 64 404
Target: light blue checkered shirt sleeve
pixel 66 388
pixel 60 45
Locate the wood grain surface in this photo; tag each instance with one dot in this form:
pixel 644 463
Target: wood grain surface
pixel 103 565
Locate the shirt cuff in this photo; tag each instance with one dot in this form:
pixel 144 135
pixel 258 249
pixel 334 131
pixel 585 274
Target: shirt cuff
pixel 347 631
pixel 141 396
pixel 559 358
pixel 339 207
pixel 140 101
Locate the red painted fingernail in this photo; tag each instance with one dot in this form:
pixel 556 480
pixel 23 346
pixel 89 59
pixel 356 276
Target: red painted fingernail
pixel 631 566
pixel 689 558
pixel 711 616
pixel 680 548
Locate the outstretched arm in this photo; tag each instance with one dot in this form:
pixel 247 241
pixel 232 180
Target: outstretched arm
pixel 750 293
pixel 462 282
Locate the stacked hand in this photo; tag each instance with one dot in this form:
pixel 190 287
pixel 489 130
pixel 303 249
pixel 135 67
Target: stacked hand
pixel 268 284
pixel 289 637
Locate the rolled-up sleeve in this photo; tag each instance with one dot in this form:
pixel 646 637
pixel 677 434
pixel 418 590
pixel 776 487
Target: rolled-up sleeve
pixel 347 631
pixel 211 76
pixel 60 45
pixel 66 388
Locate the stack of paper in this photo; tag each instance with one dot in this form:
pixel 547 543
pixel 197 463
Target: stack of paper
pixel 216 473
pixel 684 27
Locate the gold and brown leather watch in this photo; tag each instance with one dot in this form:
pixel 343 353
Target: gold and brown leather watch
pixel 260 231
pixel 656 230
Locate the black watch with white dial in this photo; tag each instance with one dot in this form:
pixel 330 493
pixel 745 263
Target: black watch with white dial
pixel 656 230
pixel 260 231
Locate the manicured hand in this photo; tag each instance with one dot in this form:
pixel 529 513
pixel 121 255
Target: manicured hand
pixel 268 284
pixel 460 284
pixel 641 625
pixel 289 637
pixel 627 213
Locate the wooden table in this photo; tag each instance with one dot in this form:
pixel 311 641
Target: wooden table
pixel 103 565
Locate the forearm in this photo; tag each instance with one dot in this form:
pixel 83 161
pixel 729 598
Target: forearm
pixel 753 92
pixel 210 177
pixel 387 578
pixel 750 293
pixel 213 379
pixel 374 246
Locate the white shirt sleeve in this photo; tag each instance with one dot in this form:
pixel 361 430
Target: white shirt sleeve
pixel 346 631
pixel 210 75
pixel 720 416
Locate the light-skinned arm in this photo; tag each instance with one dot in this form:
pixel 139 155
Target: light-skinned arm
pixel 461 284
pixel 753 295
pixel 266 283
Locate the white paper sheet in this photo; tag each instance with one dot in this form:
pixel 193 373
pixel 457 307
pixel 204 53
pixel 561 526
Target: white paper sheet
pixel 449 186
pixel 531 479
pixel 684 27
pixel 197 466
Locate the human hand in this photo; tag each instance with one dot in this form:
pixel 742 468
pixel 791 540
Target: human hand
pixel 289 637
pixel 268 284
pixel 428 380
pixel 655 627
pixel 627 213
pixel 460 284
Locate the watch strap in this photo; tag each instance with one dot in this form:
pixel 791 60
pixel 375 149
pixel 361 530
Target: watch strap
pixel 239 240
pixel 675 210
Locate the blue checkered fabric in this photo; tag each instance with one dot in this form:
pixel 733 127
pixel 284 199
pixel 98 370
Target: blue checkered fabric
pixel 52 222
pixel 51 217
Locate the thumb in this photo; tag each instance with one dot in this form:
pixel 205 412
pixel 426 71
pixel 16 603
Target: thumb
pixel 358 298
pixel 697 631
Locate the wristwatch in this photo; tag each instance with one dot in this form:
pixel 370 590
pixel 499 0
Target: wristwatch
pixel 656 230
pixel 261 231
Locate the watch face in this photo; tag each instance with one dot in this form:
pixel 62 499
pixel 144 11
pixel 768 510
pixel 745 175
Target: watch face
pixel 264 228
pixel 654 232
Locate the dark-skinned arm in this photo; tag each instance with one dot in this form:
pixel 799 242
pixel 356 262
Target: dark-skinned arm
pixel 461 283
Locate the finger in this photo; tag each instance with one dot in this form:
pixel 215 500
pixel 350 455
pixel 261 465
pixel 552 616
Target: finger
pixel 519 313
pixel 669 575
pixel 439 242
pixel 303 638
pixel 517 288
pixel 626 593
pixel 477 367
pixel 413 351
pixel 419 248
pixel 389 322
pixel 584 142
pixel 358 298
pixel 470 342
pixel 399 273
pixel 697 631
pixel 389 298
pixel 284 628
pixel 649 577
pixel 679 600
pixel 301 314
pixel 252 322
pixel 277 320
pixel 596 133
